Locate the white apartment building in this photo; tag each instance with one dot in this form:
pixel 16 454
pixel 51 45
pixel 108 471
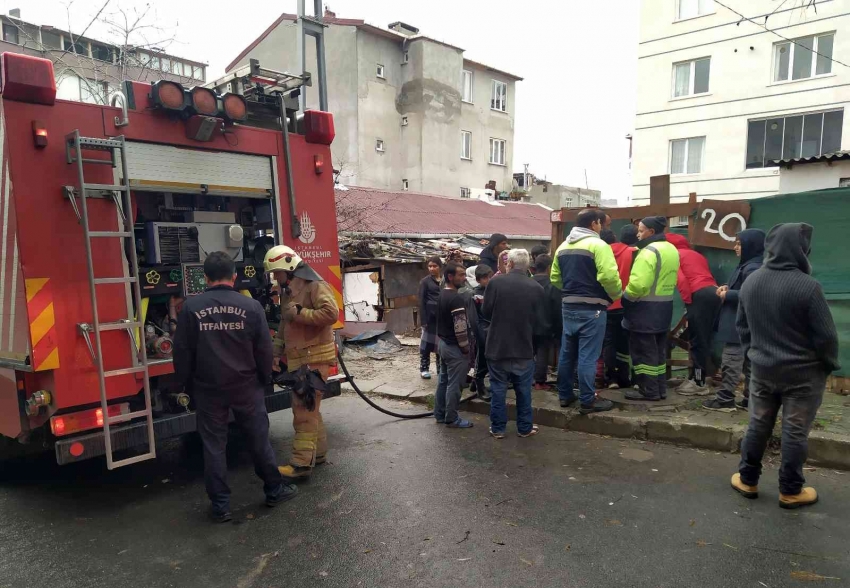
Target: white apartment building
pixel 411 112
pixel 727 87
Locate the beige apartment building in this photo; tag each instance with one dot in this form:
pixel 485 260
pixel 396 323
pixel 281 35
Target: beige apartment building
pixel 411 112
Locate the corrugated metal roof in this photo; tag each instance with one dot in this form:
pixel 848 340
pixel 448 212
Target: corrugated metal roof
pixel 411 215
pixel 834 156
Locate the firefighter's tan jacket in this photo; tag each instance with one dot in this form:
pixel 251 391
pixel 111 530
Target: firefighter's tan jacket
pixel 308 338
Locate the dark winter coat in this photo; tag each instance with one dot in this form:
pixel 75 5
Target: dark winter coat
pixel 554 324
pixel 429 296
pixel 752 256
pixel 784 321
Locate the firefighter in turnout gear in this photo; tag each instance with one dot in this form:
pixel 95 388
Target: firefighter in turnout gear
pixel 222 355
pixel 305 339
pixel 648 303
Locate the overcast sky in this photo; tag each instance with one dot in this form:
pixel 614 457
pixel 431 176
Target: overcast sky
pixel 578 58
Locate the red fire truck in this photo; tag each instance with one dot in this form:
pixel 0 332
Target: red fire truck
pixel 106 216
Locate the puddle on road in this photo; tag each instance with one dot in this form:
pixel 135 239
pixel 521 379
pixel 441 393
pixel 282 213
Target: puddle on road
pixel 636 454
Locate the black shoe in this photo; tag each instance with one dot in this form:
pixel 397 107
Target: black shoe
pixel 638 395
pixel 287 492
pixel 719 405
pixel 599 405
pixel 569 401
pixel 220 516
pixel 485 397
pixel 743 404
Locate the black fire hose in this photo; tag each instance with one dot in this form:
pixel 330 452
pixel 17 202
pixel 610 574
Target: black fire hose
pixel 418 415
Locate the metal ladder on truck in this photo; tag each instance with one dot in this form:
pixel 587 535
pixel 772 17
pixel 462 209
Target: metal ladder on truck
pixel 75 146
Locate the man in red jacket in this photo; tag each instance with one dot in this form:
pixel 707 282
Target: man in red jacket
pixel 698 290
pixel 615 350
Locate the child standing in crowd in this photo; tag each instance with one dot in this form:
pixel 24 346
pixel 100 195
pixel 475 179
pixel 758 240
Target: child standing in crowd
pixel 483 273
pixel 550 330
pixel 429 295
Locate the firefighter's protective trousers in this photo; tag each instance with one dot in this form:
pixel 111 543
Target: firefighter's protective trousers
pixel 310 443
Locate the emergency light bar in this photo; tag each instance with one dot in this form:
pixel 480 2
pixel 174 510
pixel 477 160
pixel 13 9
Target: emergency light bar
pixel 173 97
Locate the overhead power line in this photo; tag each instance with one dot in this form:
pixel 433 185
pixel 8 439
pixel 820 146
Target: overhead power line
pixel 764 26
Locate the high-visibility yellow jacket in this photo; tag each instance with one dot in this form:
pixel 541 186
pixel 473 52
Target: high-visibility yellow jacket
pixel 586 272
pixel 648 298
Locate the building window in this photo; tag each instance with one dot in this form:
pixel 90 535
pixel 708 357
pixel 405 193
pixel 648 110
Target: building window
pixel 404 121
pixel 497 151
pixel 679 221
pixel 165 64
pixel 465 145
pixel 78 48
pixel 465 192
pixel 802 58
pixel 187 70
pixel 686 155
pixel 154 62
pixel 51 40
pixel 93 92
pixel 691 77
pixel 466 85
pixel 10 33
pixel 499 96
pixel 101 52
pixel 405 185
pixel 380 71
pixel 790 137
pixel 198 73
pixel 379 145
pixel 691 8
pixel 176 67
pixel 405 58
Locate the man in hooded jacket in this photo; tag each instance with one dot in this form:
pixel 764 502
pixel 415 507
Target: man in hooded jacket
pixel 586 272
pixel 698 290
pixel 750 248
pixel 789 336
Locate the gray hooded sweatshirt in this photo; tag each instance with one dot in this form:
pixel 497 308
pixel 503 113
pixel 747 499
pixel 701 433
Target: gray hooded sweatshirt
pixel 784 321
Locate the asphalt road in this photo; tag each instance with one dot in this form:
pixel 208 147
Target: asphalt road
pixel 415 504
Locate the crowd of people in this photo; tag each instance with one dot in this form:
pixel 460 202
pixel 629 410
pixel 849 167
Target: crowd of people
pixel 607 304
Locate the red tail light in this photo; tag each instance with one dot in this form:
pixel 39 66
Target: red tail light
pixel 85 419
pixel 319 127
pixel 318 164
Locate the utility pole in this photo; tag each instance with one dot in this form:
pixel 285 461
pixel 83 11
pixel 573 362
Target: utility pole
pixel 525 178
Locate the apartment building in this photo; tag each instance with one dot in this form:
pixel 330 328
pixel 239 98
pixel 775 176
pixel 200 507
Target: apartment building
pixel 411 112
pixel 726 88
pixel 88 70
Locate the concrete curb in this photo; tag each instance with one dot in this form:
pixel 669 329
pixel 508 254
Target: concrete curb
pixel 825 449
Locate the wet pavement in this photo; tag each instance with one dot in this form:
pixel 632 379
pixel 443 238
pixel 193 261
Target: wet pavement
pixel 411 503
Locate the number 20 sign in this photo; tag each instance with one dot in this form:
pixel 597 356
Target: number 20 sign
pixel 719 221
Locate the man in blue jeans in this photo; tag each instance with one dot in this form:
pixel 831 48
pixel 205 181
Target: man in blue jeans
pixel 453 333
pixel 515 306
pixel 586 272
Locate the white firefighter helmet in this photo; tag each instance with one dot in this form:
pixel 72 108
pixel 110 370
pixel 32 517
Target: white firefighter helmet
pixel 281 258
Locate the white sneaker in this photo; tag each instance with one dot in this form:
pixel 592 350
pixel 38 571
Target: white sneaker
pixel 690 388
pixel 426 375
